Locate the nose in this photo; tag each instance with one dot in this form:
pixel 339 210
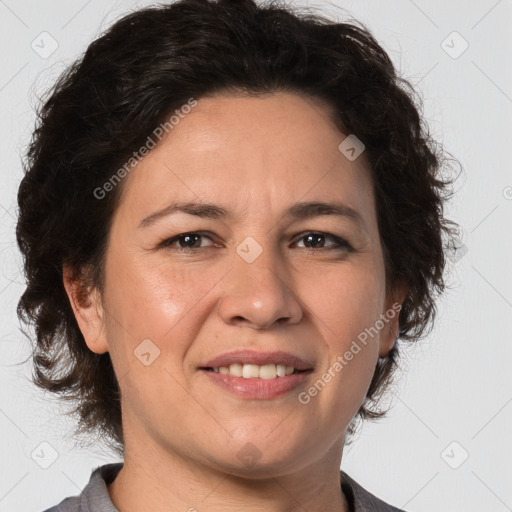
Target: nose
pixel 257 294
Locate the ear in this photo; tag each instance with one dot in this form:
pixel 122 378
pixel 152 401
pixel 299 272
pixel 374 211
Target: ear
pixel 390 331
pixel 85 301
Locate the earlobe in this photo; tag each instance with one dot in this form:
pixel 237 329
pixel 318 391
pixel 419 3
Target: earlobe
pixel 391 329
pixel 85 301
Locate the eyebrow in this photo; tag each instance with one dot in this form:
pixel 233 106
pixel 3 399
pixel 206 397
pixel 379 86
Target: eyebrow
pixel 298 211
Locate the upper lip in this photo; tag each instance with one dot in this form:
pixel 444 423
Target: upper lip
pixel 259 358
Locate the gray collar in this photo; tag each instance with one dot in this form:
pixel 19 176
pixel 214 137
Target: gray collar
pixel 361 500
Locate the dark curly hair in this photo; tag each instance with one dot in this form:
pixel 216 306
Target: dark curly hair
pixel 148 64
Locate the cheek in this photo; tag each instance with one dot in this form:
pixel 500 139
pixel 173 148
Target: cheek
pixel 156 301
pixel 347 301
pixel 349 308
pixel 151 323
pixel 148 299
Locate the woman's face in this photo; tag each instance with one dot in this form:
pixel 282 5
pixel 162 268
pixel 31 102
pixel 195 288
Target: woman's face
pixel 265 276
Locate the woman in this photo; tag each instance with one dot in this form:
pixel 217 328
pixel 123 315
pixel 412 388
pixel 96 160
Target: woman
pixel 230 215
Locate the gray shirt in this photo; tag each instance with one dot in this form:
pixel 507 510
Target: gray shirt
pixel 95 498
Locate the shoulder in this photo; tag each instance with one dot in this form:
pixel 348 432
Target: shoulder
pixel 362 500
pixel 94 496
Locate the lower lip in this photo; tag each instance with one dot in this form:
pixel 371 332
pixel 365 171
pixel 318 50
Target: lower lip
pixel 258 389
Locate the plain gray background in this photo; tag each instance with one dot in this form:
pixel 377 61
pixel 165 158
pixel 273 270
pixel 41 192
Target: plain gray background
pixel 446 444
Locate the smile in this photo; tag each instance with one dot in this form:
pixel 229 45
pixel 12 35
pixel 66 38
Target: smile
pixel 254 371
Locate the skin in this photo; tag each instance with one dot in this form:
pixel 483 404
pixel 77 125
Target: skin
pixel 256 157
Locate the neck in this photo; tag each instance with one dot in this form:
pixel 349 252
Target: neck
pixel 155 480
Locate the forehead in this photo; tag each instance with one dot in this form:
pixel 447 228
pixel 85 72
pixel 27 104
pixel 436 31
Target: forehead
pixel 254 155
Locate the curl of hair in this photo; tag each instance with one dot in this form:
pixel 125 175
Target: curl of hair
pixel 150 63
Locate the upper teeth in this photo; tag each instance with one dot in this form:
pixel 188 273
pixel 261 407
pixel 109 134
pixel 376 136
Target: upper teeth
pixel 254 371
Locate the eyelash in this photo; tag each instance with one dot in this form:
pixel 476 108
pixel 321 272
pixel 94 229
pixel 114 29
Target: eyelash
pixel 342 245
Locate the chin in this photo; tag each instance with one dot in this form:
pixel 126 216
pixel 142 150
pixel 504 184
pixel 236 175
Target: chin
pixel 258 458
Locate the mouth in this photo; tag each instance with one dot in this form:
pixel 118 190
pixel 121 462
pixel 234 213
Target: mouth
pixel 250 364
pixel 254 371
pixel 260 387
pixel 258 375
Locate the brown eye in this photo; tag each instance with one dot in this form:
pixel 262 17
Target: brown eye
pixel 185 241
pixel 316 240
